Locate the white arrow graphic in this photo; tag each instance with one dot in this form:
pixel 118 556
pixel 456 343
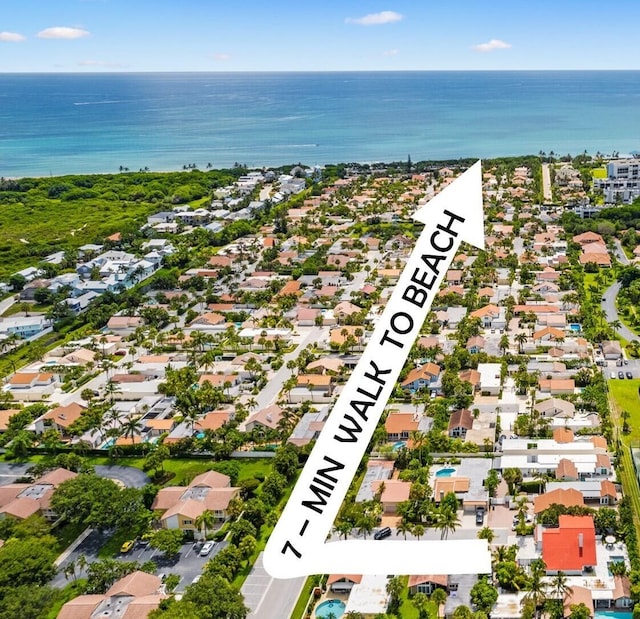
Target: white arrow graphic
pixel 298 545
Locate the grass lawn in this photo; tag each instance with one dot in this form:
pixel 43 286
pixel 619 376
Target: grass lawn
pixel 71 591
pixel 599 173
pixel 305 594
pixel 625 395
pixel 66 533
pixel 407 609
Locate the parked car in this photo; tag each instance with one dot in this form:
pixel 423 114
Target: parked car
pixel 629 375
pixel 620 374
pixel 613 374
pixel 127 546
pixel 207 548
pixel 382 533
pixel 196 579
pixel 479 515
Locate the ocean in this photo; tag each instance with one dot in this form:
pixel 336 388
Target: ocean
pixel 53 124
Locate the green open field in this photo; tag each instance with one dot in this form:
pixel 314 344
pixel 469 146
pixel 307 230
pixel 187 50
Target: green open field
pixel 625 395
pixel 599 173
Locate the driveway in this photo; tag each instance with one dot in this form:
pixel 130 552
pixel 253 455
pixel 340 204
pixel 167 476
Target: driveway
pixel 127 475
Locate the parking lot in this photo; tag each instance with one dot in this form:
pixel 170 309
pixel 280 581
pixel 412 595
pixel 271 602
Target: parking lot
pixel 187 563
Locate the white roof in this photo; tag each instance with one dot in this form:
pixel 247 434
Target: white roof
pixel 370 596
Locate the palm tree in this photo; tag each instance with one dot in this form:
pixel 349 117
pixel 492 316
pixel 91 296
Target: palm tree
pixel 439 597
pixel 521 339
pixel 418 530
pixel 537 587
pixel 132 427
pixel 206 520
pixel 486 533
pixel 447 521
pixel 559 586
pixel 404 527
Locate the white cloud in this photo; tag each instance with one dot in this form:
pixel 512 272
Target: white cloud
pixel 491 45
pixel 62 32
pixel 375 19
pixel 100 63
pixel 391 52
pixel 222 57
pixel 12 37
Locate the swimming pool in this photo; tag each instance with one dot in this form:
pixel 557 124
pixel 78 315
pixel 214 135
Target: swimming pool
pixel 330 608
pixel 446 472
pixel 612 614
pixel 575 327
pixel 398 445
pixel 110 443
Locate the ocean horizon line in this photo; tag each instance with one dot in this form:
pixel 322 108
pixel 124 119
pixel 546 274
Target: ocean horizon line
pixel 310 71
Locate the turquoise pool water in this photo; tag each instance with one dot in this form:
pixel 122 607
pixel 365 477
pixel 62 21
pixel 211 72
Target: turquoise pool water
pixel 108 444
pixel 446 472
pixel 612 614
pixel 200 435
pixel 326 608
pixel 575 327
pixel 399 445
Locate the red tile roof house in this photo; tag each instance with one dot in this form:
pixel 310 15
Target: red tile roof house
pixel 131 597
pixel 400 425
pixel 393 492
pixel 181 505
pixel 59 418
pixel 570 548
pixel 427 583
pixel 426 375
pixel 23 500
pixel 343 583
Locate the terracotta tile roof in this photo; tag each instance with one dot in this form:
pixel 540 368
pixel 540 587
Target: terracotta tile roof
pixel 577 595
pixel 607 488
pixel 461 418
pixel 566 469
pixel 64 416
pixel 27 378
pixel 563 435
pixel 438 579
pixel 136 584
pixel 5 415
pixel 568 498
pixel 394 491
pixel 397 422
pixel 450 484
pixel 213 421
pixel 211 479
pixel 426 372
pixel 81 607
pixel 355 578
pixel 571 546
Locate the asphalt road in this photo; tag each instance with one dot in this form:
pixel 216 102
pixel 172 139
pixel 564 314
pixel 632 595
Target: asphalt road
pixel 187 563
pixel 608 305
pixel 270 598
pixel 128 475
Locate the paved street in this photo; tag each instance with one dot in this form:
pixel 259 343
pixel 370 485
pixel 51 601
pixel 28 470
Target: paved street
pixel 127 475
pixel 609 307
pixel 270 598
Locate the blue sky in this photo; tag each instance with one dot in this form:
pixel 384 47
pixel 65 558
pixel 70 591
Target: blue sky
pixel 326 35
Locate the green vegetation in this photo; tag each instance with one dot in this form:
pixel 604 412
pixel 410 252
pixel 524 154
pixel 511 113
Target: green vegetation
pixel 88 208
pixel 599 173
pixel 625 396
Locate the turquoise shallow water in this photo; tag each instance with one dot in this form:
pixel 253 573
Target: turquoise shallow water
pixel 65 123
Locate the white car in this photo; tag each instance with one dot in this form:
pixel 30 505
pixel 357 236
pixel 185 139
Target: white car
pixel 207 548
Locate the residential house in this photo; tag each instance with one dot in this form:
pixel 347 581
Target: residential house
pixel 342 583
pixel 181 506
pixel 21 500
pixel 60 418
pixel 556 386
pixel 131 597
pixel 426 376
pixel 571 547
pixel 392 492
pixel 400 425
pixel 460 422
pixel 555 407
pixel 427 584
pixel 567 497
pixel 490 378
pixel 491 316
pixel 475 344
